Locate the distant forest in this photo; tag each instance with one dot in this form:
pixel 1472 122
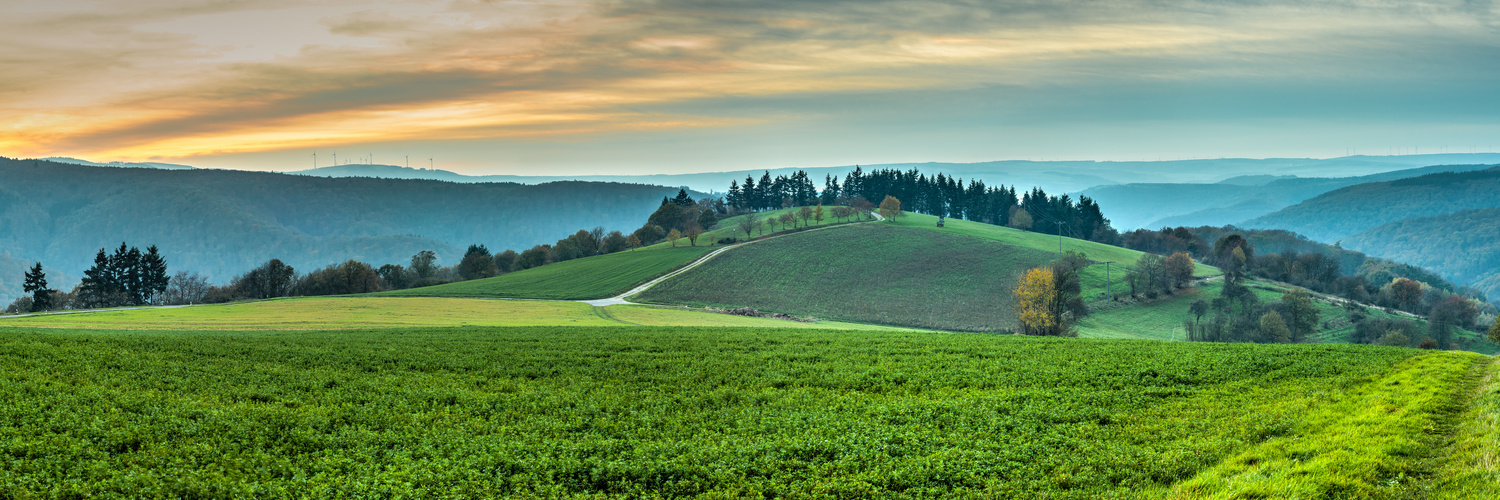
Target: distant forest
pixel 939 195
pixel 222 222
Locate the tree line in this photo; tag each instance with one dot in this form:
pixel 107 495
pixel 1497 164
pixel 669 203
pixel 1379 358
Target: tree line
pixel 939 195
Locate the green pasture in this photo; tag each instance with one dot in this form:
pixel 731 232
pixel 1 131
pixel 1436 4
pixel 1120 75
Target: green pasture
pixel 867 273
pixel 597 277
pixel 365 313
pixel 632 412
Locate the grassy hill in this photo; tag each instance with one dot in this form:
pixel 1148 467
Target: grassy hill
pixel 596 277
pixel 627 412
pixel 1343 212
pixel 905 272
pixel 1463 247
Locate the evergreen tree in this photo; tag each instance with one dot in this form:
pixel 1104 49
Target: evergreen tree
pixel 35 283
pixel 154 272
pixel 682 199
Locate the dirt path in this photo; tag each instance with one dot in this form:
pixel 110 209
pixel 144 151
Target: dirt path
pixel 623 298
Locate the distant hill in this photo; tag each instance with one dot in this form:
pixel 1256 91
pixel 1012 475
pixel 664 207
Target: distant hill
pixel 223 222
pixel 1157 205
pixel 1054 176
pixel 121 164
pixel 1462 246
pixel 1338 214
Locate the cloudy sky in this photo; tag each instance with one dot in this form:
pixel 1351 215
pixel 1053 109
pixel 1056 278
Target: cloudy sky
pixel 668 86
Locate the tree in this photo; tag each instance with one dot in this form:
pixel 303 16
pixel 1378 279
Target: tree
pixel 35 283
pixel 818 215
pixel 806 214
pixel 1495 331
pixel 633 242
pixel 692 234
pixel 785 219
pixel 1273 328
pixel 707 219
pixel 1148 276
pixel 424 265
pixel 505 261
pixel 747 224
pixel 535 257
pixel 477 264
pixel 1034 296
pixel 682 199
pixel 615 241
pixel 395 276
pixel 1407 293
pixel 1180 269
pixel 270 280
pixel 650 234
pixel 185 288
pixel 1198 308
pixel 1303 314
pixel 890 207
pixel 1394 338
pixel 154 279
pixel 674 236
pixel 1020 219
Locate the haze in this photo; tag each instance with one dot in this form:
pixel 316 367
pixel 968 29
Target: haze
pixel 626 87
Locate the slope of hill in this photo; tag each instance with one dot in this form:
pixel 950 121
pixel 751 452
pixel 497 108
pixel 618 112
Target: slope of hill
pixel 595 277
pixel 223 222
pixel 1154 206
pixel 1340 213
pixel 1463 247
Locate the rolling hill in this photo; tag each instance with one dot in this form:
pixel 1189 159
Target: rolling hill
pixel 221 222
pixel 1463 247
pixel 1340 213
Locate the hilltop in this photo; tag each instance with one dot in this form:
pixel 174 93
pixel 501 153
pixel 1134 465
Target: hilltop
pixel 1341 213
pixel 1462 246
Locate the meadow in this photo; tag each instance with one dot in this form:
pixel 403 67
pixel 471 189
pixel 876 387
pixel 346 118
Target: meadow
pixel 366 312
pixel 723 412
pixel 597 277
pixel 1097 278
pixel 869 273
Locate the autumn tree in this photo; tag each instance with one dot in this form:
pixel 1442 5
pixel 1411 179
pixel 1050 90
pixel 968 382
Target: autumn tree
pixel 35 283
pixel 818 215
pixel 673 236
pixel 890 207
pixel 505 261
pixel 1406 293
pixel 1034 306
pixel 633 242
pixel 787 218
pixel 1020 219
pixel 692 234
pixel 806 214
pixel 1179 267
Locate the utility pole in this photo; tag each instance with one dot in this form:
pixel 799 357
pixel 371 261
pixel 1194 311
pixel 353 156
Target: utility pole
pixel 1109 291
pixel 1059 237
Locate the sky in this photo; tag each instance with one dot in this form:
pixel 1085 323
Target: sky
pixel 677 86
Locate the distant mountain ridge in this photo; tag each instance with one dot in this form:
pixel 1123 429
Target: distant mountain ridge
pixel 1462 246
pixel 121 164
pixel 223 222
pixel 1157 205
pixel 1345 211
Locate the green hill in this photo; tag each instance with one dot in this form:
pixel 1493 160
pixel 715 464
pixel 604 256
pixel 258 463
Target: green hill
pixel 596 277
pixel 1341 213
pixel 1463 247
pixel 905 272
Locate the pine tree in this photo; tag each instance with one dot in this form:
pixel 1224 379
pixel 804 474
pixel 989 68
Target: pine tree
pixel 154 272
pixel 35 283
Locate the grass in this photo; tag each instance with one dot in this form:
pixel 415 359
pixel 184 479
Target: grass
pixel 1472 470
pixel 597 277
pixel 364 312
pixel 1096 278
pixel 1161 319
pixel 868 273
pixel 725 412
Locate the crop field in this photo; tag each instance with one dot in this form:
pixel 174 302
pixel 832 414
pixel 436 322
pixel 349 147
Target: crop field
pixel 1096 278
pixel 868 273
pixel 644 412
pixel 363 313
pixel 596 277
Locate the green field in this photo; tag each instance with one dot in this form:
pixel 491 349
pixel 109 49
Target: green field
pixel 727 413
pixel 868 273
pixel 597 277
pixel 364 313
pixel 1161 319
pixel 1096 278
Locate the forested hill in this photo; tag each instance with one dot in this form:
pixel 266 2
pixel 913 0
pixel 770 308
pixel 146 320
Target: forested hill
pixel 1463 246
pixel 224 222
pixel 1157 205
pixel 1338 214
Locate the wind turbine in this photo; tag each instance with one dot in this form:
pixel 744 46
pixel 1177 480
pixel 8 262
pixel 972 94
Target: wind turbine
pixel 315 160
pixel 335 159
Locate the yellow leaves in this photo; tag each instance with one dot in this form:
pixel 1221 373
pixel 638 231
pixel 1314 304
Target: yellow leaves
pixel 1034 299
